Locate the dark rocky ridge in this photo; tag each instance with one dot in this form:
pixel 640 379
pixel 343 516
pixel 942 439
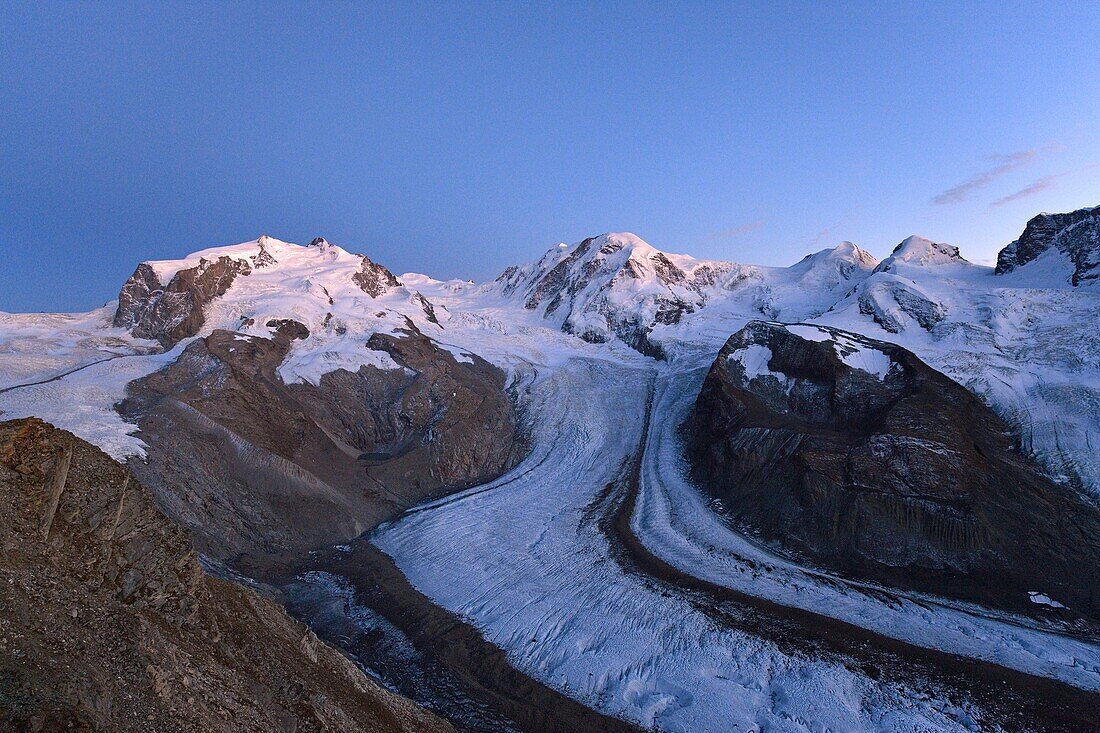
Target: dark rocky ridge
pixel 908 480
pixel 374 279
pixel 171 313
pixel 256 466
pixel 1075 234
pixel 110 624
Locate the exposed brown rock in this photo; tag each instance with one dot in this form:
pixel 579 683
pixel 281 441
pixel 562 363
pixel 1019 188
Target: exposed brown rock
pixel 173 312
pixel 111 624
pixel 373 278
pixel 288 328
pixel 908 480
pixel 254 465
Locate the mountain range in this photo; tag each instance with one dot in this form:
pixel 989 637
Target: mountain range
pixel 648 490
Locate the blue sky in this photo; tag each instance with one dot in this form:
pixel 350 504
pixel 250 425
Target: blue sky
pixel 458 138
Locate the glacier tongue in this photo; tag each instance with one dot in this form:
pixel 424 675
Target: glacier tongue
pixel 553 592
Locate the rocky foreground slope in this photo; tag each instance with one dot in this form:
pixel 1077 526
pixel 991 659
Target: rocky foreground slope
pixel 855 454
pixel 110 624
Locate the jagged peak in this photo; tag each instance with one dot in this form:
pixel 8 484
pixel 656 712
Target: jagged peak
pixel 623 246
pixel 1074 236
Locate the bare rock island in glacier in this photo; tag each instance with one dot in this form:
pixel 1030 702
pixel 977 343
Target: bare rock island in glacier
pixel 856 455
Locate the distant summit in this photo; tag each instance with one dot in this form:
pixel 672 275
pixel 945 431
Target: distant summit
pixel 914 250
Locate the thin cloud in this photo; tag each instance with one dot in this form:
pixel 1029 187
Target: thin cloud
pixel 1040 185
pixel 1005 164
pixel 824 235
pixel 752 226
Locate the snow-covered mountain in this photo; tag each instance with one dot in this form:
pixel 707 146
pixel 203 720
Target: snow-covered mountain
pixel 302 394
pixel 618 286
pixel 340 298
pixel 1016 336
pixel 615 286
pixel 1019 339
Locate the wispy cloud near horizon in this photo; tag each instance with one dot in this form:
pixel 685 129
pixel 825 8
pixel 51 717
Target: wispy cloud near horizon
pixel 1004 164
pixel 1038 186
pixel 738 231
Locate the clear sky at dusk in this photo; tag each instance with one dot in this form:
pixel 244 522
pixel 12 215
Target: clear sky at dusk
pixel 458 138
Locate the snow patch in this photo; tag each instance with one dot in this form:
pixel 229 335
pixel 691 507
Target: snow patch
pixel 863 357
pixel 309 365
pixel 810 333
pixel 1043 600
pixel 754 360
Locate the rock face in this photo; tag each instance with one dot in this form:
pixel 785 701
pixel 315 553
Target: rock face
pixel 858 456
pixel 1076 236
pixel 263 258
pixel 110 623
pixel 171 313
pixel 374 279
pixel 255 465
pixel 892 303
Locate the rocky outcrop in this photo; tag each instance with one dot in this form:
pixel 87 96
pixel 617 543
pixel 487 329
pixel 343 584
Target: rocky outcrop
pixel 255 465
pixel 893 303
pixel 171 313
pixel 110 623
pixel 856 455
pixel 1075 235
pixel 374 279
pixel 263 258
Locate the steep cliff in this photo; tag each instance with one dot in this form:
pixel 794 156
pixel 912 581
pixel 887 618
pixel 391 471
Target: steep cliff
pixel 1070 243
